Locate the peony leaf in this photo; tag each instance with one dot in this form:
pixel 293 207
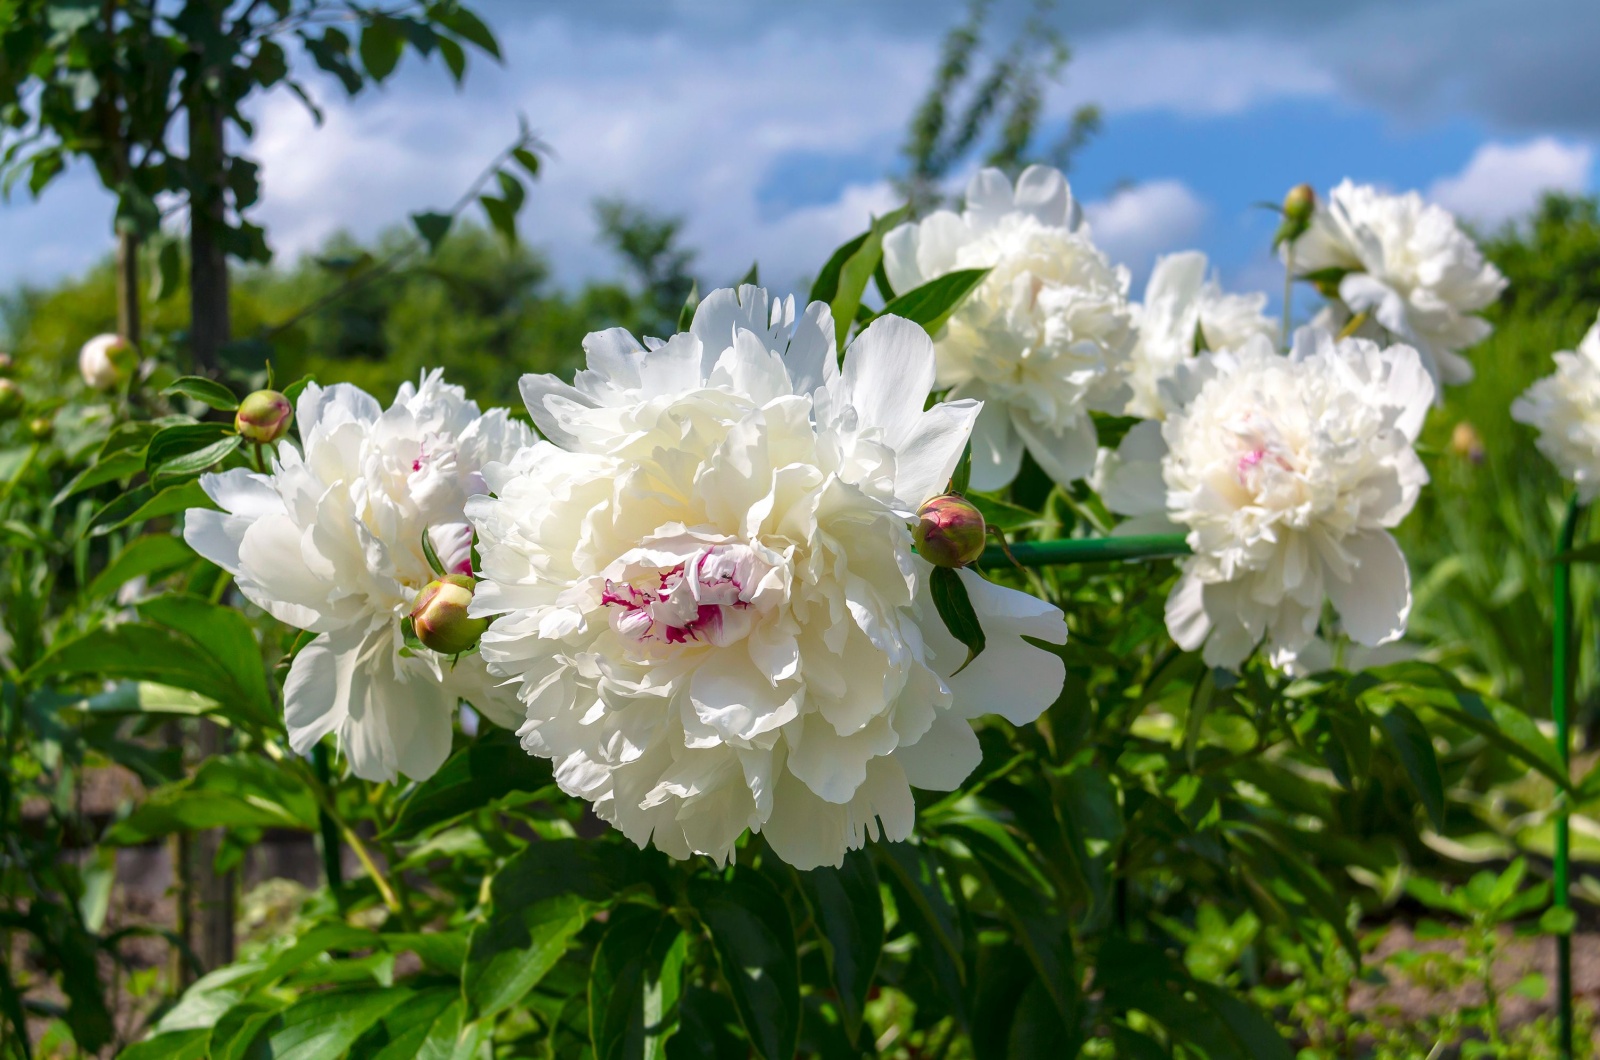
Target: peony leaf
pixel 856 273
pixel 848 911
pixel 490 767
pixel 634 984
pixel 690 304
pixel 955 608
pixel 1414 748
pixel 207 391
pixel 753 937
pixel 931 304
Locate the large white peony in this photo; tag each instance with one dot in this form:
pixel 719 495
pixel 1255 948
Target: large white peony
pixel 331 542
pixel 1043 341
pixel 1180 303
pixel 1409 267
pixel 1287 473
pixel 1565 409
pixel 707 587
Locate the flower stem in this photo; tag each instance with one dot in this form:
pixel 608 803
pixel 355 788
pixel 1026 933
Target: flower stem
pixel 1560 682
pixel 1086 550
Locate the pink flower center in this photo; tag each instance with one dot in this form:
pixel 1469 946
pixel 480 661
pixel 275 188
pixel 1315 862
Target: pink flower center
pixel 698 602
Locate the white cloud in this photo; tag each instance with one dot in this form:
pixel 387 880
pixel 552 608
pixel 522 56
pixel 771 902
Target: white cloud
pixel 1139 222
pixel 1503 181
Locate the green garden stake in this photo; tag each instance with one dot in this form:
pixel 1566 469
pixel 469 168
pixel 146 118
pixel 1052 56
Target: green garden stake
pixel 1560 689
pixel 1086 550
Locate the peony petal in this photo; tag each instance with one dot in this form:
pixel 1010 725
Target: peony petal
pixel 900 257
pixel 1066 455
pixel 888 372
pixel 944 757
pixel 930 453
pixel 1187 621
pixel 996 448
pixel 989 198
pixel 1374 604
pixel 1042 191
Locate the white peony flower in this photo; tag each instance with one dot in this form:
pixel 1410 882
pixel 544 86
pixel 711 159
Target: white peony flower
pixel 105 361
pixel 1287 473
pixel 1180 301
pixel 710 595
pixel 1047 336
pixel 331 542
pixel 1565 409
pixel 1410 267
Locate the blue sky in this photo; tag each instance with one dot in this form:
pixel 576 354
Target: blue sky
pixel 770 126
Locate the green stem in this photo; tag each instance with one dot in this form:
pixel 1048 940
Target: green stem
pixel 1560 689
pixel 332 870
pixel 1087 550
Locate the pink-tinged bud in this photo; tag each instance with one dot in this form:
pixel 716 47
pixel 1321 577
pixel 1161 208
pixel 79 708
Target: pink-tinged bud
pixel 263 417
pixel 41 428
pixel 439 616
pixel 107 361
pixel 1465 441
pixel 950 532
pixel 11 400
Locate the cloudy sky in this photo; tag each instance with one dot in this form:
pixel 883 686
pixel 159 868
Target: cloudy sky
pixel 771 126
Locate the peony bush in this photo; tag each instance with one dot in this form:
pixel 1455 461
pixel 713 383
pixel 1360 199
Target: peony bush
pixel 817 680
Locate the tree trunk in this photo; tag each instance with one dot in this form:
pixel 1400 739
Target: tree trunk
pixel 128 324
pixel 209 331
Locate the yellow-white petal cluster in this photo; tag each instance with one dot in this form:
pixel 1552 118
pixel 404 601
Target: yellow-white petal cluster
pixel 707 590
pixel 331 542
pixel 1408 266
pixel 1044 340
pixel 1565 409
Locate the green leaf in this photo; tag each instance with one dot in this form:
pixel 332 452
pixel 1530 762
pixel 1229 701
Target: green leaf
pixel 1558 920
pixel 690 304
pixel 227 636
pixel 826 285
pixel 502 218
pixel 143 556
pixel 227 791
pixel 189 448
pixel 1414 748
pixel 108 468
pixel 709 1028
pixel 1134 976
pixel 170 501
pixel 323 1026
pixel 414 1029
pixel 856 273
pixel 527 160
pixel 432 227
pixel 848 911
pixel 752 276
pixel 753 938
pixel 192 1044
pixel 469 27
pixel 962 478
pixel 489 768
pixel 168 276
pixel 138 652
pixel 955 609
pixel 634 984
pixel 1003 516
pixel 201 389
pixel 381 45
pixel 932 304
pixel 541 898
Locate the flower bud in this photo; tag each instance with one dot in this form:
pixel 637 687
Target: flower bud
pixel 41 428
pixel 950 531
pixel 106 361
pixel 1298 207
pixel 6 364
pixel 1466 442
pixel 264 416
pixel 439 616
pixel 11 400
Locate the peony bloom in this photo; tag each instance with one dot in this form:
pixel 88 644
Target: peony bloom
pixel 1565 409
pixel 1404 262
pixel 105 361
pixel 331 542
pixel 1043 341
pixel 1287 473
pixel 708 591
pixel 1180 302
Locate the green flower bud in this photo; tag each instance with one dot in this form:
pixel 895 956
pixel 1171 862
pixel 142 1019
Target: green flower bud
pixel 1298 207
pixel 439 616
pixel 41 428
pixel 264 416
pixel 6 364
pixel 950 532
pixel 11 400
